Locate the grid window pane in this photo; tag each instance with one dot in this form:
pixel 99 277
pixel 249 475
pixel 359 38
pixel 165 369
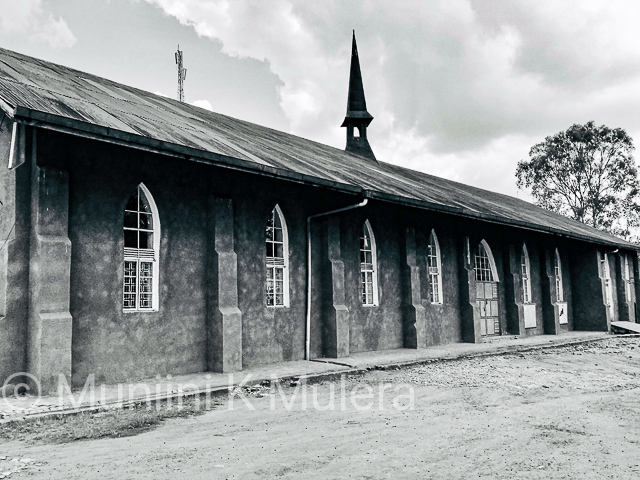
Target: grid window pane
pixel 130 283
pixel 146 284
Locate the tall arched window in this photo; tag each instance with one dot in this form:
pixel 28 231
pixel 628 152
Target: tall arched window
pixel 277 284
pixel 628 277
pixel 368 266
pixel 608 290
pixel 487 290
pixel 526 275
pixel 435 270
pixel 558 274
pixel 141 252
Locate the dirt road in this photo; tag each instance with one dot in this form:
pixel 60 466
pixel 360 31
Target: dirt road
pixel 570 412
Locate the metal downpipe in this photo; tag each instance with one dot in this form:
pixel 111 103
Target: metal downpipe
pixel 309 276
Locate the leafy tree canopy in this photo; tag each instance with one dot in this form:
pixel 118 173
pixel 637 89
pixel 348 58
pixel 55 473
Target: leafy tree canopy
pixel 586 173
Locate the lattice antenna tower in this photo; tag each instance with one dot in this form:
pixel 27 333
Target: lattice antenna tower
pixel 182 75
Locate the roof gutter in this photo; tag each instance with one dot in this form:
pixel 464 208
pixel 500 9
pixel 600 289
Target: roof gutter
pixel 91 131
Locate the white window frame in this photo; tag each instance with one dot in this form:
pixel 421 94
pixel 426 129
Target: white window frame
pixel 434 271
pixel 628 274
pixel 608 286
pixel 140 256
pixel 557 271
pixel 525 266
pixel 274 264
pixel 369 268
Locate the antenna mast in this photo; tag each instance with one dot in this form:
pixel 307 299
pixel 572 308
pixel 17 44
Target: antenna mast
pixel 182 75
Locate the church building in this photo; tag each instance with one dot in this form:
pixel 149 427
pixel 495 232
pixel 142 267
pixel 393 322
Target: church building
pixel 142 236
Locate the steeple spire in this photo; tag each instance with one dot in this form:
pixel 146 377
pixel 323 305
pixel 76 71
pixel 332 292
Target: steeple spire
pixel 357 119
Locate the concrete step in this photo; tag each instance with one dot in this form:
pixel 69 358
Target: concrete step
pixel 625 327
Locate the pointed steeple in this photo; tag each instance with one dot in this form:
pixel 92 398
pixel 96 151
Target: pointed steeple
pixel 357 119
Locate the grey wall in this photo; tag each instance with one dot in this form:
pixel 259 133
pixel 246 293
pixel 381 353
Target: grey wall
pixel 117 346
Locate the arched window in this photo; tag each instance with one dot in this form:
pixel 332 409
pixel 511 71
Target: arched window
pixel 368 266
pixel 526 275
pixel 141 252
pixel 558 274
pixel 435 269
pixel 487 290
pixel 608 290
pixel 277 261
pixel 485 266
pixel 629 277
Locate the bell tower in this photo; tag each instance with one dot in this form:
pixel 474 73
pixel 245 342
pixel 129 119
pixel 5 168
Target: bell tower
pixel 357 119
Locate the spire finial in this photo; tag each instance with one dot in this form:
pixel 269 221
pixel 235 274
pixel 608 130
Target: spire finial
pixel 357 118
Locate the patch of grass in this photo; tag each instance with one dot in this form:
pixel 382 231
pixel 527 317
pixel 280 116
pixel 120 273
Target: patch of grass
pixel 111 423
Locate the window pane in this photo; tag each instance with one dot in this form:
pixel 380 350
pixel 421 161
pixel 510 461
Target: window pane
pixel 130 282
pixel 269 249
pixel 132 204
pixel 279 250
pixel 269 233
pixel 130 219
pixel 146 284
pixel 130 239
pixel 276 219
pixel 145 221
pixel 479 290
pixel 279 274
pixel 146 240
pixel 144 204
pixel 278 235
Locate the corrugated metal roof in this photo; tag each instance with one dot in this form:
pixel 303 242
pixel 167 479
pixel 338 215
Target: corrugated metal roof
pixel 69 94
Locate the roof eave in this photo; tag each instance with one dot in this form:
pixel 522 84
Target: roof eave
pixel 61 124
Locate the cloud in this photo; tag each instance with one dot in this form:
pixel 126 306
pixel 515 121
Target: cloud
pixel 56 33
pixel 18 16
pixel 27 16
pixel 449 82
pixel 203 104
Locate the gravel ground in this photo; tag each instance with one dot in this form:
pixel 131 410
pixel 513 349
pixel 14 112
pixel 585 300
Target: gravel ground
pixel 567 412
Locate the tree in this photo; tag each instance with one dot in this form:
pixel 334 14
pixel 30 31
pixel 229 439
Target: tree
pixel 586 173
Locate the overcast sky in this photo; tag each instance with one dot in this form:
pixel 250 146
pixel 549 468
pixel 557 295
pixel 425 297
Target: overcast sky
pixel 458 88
